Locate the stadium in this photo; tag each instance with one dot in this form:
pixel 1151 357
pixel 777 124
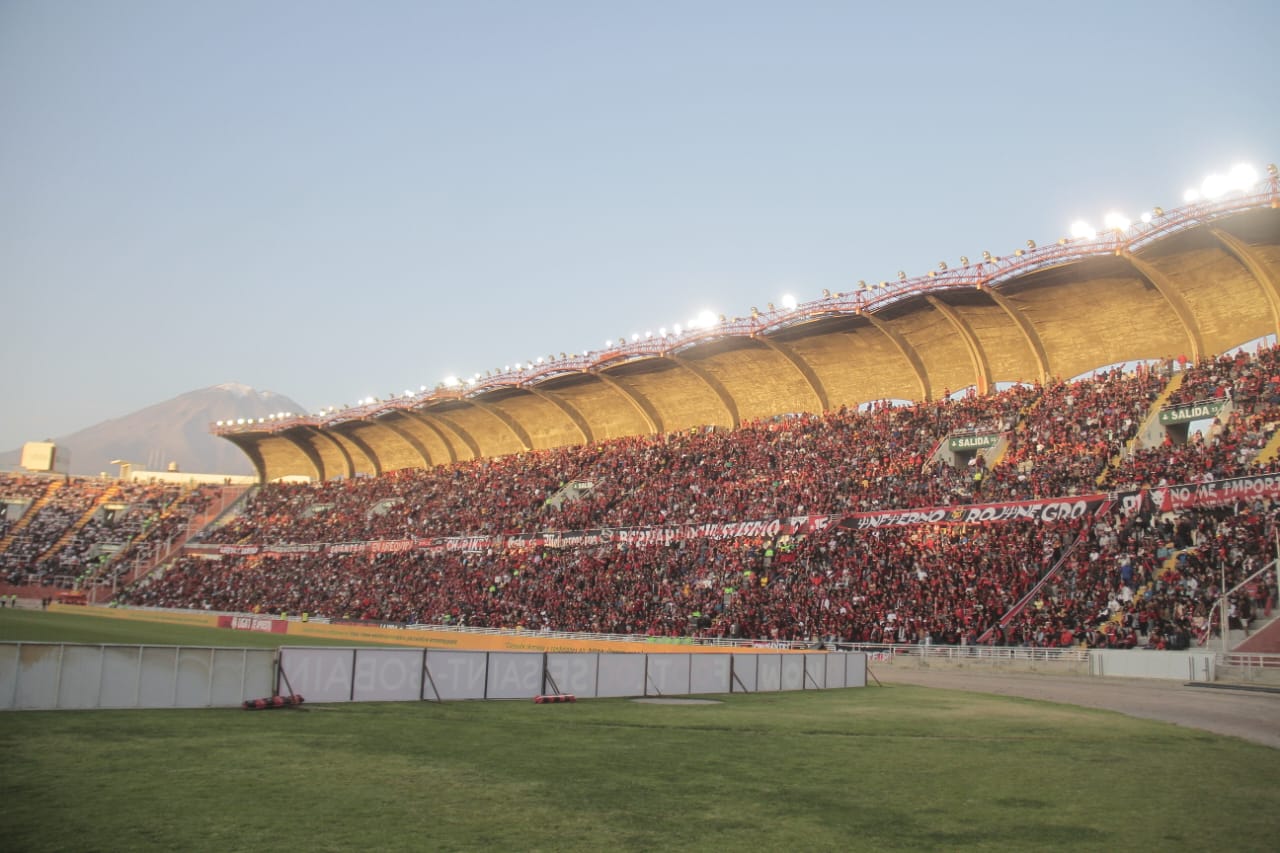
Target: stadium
pixel 1056 465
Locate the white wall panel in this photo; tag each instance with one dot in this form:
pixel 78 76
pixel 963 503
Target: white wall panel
pixel 514 675
pixel 456 675
pixel 573 672
pixel 668 675
pixel 621 675
pixel 709 673
pixel 387 675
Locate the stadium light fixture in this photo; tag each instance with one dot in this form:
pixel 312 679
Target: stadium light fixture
pixel 662 331
pixel 677 328
pixel 1145 217
pixel 1116 221
pixel 1191 195
pixel 1031 244
pixel 902 275
pixel 1242 177
pixel 1214 186
pixel 964 260
pixel 1082 230
pixel 789 302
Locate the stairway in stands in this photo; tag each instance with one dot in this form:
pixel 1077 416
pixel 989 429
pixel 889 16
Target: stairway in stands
pixel 78 525
pixel 31 513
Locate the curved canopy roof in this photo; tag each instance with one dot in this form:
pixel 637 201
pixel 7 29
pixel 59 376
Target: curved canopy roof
pixel 1196 281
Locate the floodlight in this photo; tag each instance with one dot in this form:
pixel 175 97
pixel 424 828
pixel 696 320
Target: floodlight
pixel 986 256
pixel 1191 195
pixel 706 319
pixel 1031 244
pixel 1082 230
pixel 902 276
pixel 662 331
pixel 942 265
pixel 1242 176
pixel 676 328
pixel 1146 216
pixel 964 260
pixel 1214 186
pixel 1116 221
pixel 789 302
pixel 826 294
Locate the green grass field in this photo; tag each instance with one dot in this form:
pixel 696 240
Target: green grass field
pixel 880 768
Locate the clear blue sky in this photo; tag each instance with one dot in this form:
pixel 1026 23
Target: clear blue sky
pixel 338 199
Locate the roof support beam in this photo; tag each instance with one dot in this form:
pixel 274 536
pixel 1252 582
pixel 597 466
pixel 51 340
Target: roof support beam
pixel 506 420
pixel 328 436
pixel 977 355
pixel 1029 334
pixel 717 388
pixel 1171 295
pixel 407 437
pixel 908 352
pixel 1263 274
pixel 570 412
pixel 418 417
pixel 462 434
pixel 639 403
pixel 252 450
pixel 296 438
pixel 368 451
pixel 802 367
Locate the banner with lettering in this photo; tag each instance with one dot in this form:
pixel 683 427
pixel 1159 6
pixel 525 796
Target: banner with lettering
pixel 1216 493
pixel 1049 509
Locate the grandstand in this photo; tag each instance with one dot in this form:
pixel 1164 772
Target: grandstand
pixel 799 475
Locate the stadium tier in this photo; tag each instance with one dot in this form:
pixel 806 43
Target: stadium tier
pixel 971 520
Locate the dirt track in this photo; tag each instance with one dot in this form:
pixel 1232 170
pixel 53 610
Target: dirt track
pixel 1253 716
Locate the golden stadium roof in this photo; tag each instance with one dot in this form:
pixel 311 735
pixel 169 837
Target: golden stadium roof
pixel 1193 282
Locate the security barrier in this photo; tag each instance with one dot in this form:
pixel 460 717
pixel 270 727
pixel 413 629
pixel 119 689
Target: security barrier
pixel 398 675
pixel 65 675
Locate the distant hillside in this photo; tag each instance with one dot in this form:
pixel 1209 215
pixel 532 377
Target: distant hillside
pixel 176 430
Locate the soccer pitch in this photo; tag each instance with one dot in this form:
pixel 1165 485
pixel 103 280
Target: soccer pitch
pixel 878 768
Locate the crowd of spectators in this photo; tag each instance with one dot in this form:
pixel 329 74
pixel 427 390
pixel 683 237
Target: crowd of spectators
pixel 84 524
pixel 1148 577
pixel 60 504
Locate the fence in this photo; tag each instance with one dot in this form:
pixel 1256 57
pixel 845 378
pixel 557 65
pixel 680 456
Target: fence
pixel 391 675
pixel 63 675
pixel 48 676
